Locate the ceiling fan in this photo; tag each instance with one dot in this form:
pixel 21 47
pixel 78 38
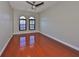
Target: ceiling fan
pixel 34 5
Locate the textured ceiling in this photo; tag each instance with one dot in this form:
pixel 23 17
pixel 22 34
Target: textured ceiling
pixel 22 5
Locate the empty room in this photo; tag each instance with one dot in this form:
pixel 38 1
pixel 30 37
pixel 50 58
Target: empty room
pixel 39 28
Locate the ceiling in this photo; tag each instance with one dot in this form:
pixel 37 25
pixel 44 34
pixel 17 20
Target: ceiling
pixel 22 5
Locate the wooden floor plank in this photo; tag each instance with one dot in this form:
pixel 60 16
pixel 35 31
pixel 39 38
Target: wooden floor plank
pixel 37 46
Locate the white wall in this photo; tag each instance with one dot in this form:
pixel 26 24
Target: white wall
pixel 62 22
pixel 17 14
pixel 5 23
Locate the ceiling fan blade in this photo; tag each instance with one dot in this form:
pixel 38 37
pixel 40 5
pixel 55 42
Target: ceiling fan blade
pixel 39 4
pixel 29 3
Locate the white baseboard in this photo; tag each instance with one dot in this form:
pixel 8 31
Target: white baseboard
pixel 26 32
pixel 65 43
pixel 5 45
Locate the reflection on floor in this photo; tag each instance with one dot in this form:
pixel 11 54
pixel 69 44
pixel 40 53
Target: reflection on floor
pixel 22 42
pixel 36 44
pixel 32 40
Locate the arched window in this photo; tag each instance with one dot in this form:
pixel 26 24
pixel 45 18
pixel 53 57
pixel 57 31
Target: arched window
pixel 31 23
pixel 22 23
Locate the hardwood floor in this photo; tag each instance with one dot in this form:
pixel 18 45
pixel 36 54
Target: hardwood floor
pixel 37 45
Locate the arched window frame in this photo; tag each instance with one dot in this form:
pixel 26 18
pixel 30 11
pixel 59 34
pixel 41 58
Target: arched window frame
pixel 22 18
pixel 34 25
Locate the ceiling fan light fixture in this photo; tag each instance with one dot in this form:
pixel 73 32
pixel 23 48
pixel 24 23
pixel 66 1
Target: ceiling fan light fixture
pixel 33 7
